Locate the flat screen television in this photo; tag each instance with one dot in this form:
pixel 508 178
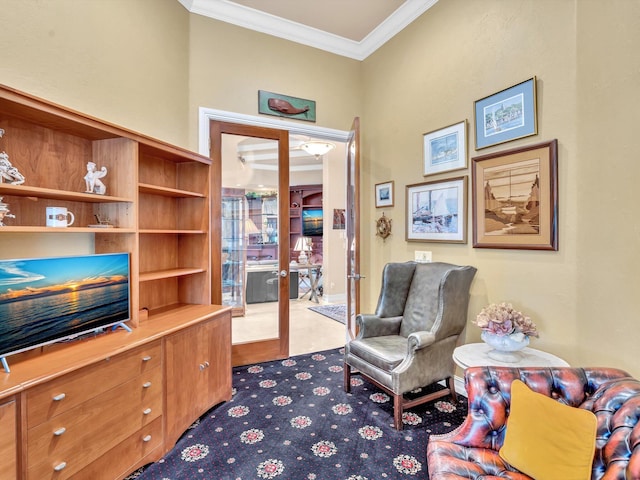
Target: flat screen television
pixel 45 300
pixel 312 222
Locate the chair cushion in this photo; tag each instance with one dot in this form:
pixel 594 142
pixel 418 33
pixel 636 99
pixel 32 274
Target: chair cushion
pixel 384 352
pixel 546 439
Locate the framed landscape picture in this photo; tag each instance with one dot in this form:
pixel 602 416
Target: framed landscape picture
pixel 437 211
pixel 384 194
pixel 515 198
pixel 506 115
pixel 445 149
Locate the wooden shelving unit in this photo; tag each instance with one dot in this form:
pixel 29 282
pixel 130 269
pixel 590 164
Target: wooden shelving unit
pixel 301 197
pixel 158 202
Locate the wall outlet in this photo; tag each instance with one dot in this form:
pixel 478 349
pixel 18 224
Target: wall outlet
pixel 422 256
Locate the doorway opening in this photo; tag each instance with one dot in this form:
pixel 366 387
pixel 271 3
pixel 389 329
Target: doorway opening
pixel 316 184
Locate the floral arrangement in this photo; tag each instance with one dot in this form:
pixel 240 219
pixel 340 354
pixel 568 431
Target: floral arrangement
pixel 502 319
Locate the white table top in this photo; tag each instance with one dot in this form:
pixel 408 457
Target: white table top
pixel 476 355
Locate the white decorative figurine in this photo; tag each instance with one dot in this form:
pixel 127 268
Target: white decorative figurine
pixel 92 179
pixel 8 172
pixel 4 212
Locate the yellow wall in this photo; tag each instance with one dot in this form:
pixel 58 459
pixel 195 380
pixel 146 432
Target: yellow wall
pixel 122 61
pixel 584 55
pixel 148 65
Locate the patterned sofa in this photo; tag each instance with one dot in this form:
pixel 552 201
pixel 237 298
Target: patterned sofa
pixel 471 450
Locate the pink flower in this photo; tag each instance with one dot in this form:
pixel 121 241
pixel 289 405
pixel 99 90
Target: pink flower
pixel 503 319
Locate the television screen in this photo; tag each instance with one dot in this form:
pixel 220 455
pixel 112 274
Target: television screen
pixel 312 222
pixel 44 300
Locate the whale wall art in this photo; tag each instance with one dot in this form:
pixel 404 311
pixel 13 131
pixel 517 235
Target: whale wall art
pixel 285 106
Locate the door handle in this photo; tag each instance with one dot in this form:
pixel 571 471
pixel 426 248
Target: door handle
pixel 283 273
pixel 356 276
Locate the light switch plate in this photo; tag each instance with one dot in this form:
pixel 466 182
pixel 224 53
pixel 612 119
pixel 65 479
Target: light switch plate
pixel 423 256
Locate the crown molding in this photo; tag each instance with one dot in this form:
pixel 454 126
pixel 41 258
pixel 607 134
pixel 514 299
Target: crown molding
pixel 246 17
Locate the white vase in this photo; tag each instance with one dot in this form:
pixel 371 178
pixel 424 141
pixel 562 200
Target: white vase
pixel 506 348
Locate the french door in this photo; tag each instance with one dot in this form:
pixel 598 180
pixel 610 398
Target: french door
pixel 353 228
pixel 257 249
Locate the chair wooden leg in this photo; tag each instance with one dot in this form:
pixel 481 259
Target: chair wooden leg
pixel 452 386
pixel 397 410
pixel 347 378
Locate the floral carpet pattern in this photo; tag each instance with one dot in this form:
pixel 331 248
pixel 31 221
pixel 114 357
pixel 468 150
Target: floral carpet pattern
pixel 291 419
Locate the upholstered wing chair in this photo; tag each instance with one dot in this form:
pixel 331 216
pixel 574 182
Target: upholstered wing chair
pixel 408 343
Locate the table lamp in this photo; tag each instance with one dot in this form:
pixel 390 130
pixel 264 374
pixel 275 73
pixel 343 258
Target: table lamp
pixel 303 245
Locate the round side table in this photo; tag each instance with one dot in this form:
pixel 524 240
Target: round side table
pixel 476 355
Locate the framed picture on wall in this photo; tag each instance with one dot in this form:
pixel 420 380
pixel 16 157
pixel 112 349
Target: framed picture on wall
pixel 384 194
pixel 515 198
pixel 445 149
pixel 506 115
pixel 437 211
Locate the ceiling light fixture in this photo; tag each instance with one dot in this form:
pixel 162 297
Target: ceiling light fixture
pixel 316 147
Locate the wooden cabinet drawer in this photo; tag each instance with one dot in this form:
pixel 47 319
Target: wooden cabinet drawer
pixel 125 457
pixel 76 437
pixel 60 395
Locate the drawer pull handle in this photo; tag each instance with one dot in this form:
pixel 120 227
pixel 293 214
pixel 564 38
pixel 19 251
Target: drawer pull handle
pixel 202 367
pixel 146 411
pixel 206 364
pixel 146 438
pixel 146 384
pixel 59 431
pixel 59 397
pixel 61 466
pixel 146 358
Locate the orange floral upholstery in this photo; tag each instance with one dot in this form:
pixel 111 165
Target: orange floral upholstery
pixel 471 450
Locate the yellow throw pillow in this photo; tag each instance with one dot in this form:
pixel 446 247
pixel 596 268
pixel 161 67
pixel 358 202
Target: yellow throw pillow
pixel 546 439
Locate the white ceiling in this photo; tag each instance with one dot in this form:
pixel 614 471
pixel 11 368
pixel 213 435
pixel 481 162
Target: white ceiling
pixel 325 24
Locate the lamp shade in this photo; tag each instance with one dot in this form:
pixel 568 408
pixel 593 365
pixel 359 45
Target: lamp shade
pixel 317 148
pixel 303 244
pixel 250 227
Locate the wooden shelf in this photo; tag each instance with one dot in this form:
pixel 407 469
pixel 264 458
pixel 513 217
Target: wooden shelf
pixel 28 229
pixel 167 192
pixel 164 231
pixel 50 193
pixel 174 272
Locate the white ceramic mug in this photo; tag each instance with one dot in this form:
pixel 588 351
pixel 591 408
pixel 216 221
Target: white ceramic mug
pixel 59 217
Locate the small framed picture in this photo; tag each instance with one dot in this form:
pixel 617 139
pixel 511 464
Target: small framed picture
pixel 384 194
pixel 506 115
pixel 437 211
pixel 515 198
pixel 445 149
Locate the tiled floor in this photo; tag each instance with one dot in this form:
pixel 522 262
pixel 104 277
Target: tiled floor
pixel 308 331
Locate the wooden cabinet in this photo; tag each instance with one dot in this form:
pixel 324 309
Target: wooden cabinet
pixel 8 440
pixel 96 408
pixel 81 416
pixel 198 367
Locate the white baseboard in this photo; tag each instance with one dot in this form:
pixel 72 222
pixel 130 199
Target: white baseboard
pixel 337 298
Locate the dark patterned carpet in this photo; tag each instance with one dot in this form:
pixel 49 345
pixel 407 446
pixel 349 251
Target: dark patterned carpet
pixel 291 419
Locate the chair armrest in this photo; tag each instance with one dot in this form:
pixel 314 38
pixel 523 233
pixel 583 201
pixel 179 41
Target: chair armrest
pixel 370 325
pixel 418 340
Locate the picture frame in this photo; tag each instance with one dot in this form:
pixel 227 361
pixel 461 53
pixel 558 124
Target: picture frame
pixel 437 211
pixel 506 115
pixel 515 198
pixel 280 105
pixel 445 150
pixel 384 194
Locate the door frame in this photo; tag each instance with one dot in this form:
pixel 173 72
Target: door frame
pixel 272 351
pixel 205 115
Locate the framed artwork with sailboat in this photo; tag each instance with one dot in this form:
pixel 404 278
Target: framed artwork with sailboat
pixel 515 198
pixel 437 211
